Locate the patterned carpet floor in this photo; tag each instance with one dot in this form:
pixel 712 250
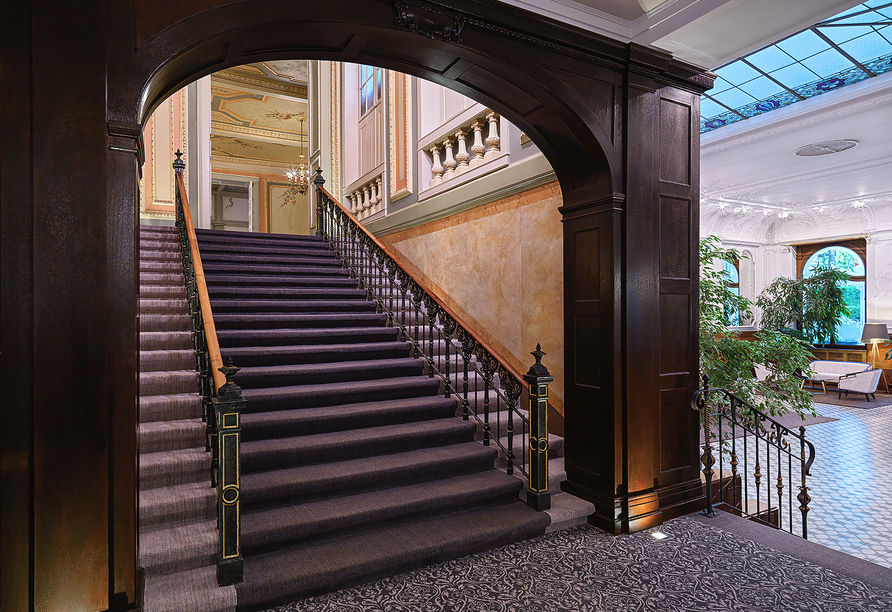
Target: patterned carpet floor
pixel 701 566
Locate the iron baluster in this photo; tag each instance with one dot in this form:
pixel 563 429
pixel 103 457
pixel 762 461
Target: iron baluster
pixel 701 400
pixel 803 496
pixel 448 329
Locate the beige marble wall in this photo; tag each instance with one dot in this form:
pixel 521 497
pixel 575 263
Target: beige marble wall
pixel 500 267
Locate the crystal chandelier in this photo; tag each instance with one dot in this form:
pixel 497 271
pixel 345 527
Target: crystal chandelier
pixel 298 176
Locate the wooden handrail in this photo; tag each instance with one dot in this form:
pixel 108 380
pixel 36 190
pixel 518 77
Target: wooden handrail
pixel 204 300
pixel 439 302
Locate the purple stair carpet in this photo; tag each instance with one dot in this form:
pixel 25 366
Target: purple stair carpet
pixel 354 467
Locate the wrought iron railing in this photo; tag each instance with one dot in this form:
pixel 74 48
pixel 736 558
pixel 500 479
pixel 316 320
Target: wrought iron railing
pixel 486 387
pixel 759 460
pixel 222 401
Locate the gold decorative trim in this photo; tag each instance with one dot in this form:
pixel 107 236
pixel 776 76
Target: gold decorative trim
pixel 220 127
pixel 273 86
pixel 405 164
pixel 335 129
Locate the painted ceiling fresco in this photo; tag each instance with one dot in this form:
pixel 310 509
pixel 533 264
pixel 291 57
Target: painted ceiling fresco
pixel 227 148
pixel 240 113
pixel 283 77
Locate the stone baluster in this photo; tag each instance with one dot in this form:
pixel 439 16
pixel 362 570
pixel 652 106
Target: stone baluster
pixel 357 203
pixel 437 168
pixel 478 148
pixel 450 163
pixel 462 156
pixel 492 139
pixel 380 192
pixel 366 201
pixel 373 198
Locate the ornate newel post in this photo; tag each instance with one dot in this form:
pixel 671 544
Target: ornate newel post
pixel 538 496
pixel 706 458
pixel 803 497
pixel 319 182
pixel 228 406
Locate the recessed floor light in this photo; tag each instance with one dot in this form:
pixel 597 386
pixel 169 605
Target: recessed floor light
pixel 659 535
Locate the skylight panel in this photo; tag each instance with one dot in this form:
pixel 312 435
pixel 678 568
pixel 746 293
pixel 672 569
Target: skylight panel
pixel 794 76
pixel 802 45
pixel 761 88
pixel 709 108
pixel 720 85
pixel 734 98
pixel 843 34
pixel 827 63
pixel 737 72
pixel 865 48
pixel 769 58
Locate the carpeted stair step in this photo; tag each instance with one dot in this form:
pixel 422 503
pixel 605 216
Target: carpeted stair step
pixel 294 257
pixel 266 529
pixel 207 236
pixel 193 590
pixel 567 511
pixel 167 383
pixel 162 291
pixel 294 573
pixel 309 421
pixel 320 373
pixel 163 360
pixel 169 254
pixel 289 337
pixel 252 356
pixel 302 270
pixel 177 505
pixel 332 394
pixel 556 475
pixel 168 435
pixel 303 305
pixel 149 244
pixel 176 279
pixel 279 293
pixel 184 547
pixel 555 447
pixel 236 280
pixel 282 453
pixel 163 306
pixel 276 488
pixel 175 406
pixel 165 323
pixel 175 467
pixel 152 339
pixel 160 266
pixel 216 248
pixel 298 320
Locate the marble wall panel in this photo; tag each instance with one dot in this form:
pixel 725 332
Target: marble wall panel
pixel 500 267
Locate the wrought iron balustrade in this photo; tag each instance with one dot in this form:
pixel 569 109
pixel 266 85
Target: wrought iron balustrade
pixel 759 461
pixel 221 399
pixel 483 384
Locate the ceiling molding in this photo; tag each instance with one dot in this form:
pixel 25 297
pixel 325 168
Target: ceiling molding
pixel 268 85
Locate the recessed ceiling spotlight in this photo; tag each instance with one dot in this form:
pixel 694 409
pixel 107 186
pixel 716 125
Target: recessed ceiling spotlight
pixel 765 212
pixel 783 214
pixel 821 209
pixel 722 206
pixel 825 148
pixel 859 204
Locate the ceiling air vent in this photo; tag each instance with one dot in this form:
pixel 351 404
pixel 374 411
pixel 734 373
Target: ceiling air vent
pixel 825 148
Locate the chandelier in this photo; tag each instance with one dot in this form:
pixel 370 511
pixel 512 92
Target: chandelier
pixel 298 176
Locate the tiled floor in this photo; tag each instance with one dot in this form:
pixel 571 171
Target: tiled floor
pixel 850 482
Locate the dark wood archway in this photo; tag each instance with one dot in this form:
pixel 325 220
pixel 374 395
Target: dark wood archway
pixel 619 124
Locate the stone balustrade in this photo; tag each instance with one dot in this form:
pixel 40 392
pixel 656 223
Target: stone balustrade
pixel 453 155
pixel 367 199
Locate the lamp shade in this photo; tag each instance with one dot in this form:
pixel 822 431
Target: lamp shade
pixel 874 331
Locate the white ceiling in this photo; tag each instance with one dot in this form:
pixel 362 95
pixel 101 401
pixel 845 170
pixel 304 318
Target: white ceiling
pixel 749 167
pixel 708 33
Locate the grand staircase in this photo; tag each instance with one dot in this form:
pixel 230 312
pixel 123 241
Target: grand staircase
pixel 354 465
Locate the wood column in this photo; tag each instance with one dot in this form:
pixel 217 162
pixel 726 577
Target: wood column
pixel 631 317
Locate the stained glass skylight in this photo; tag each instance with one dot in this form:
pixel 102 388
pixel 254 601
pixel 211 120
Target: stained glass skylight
pixel 854 45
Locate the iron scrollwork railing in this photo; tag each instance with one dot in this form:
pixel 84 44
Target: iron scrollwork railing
pixel 486 388
pixel 221 399
pixel 759 460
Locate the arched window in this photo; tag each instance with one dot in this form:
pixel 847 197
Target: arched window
pixel 732 282
pixel 848 258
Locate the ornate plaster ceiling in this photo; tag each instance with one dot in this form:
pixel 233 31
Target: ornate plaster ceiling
pixel 255 152
pixel 239 113
pixel 754 187
pixel 283 77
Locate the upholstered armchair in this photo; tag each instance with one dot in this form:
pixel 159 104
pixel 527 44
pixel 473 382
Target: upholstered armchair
pixel 860 382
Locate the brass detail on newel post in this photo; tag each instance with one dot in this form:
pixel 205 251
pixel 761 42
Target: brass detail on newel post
pixel 538 378
pixel 228 406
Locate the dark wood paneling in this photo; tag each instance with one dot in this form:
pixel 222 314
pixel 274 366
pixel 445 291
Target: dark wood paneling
pixel 675 333
pixel 675 124
pixel 587 264
pixel 588 334
pixel 675 238
pixel 16 315
pixel 675 420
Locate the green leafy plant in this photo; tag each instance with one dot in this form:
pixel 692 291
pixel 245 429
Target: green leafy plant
pixel 729 360
pixel 810 308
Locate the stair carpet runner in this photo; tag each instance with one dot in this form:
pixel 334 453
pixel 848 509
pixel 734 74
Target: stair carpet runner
pixel 177 512
pixel 354 466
